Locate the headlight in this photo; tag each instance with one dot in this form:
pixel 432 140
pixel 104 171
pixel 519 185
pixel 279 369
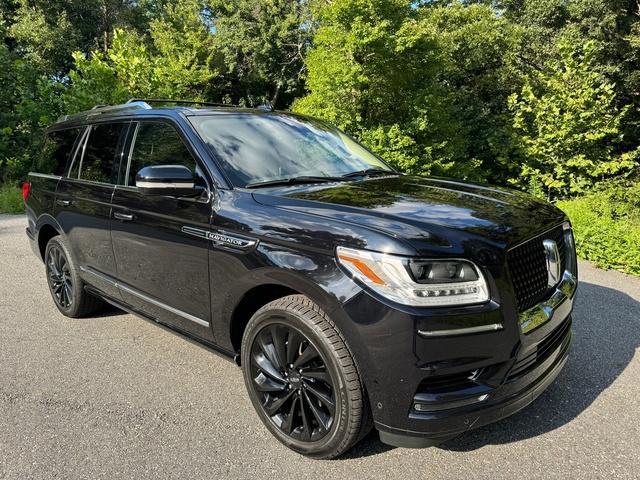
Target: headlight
pixel 416 282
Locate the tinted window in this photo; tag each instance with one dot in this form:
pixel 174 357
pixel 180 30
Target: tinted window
pixel 56 151
pixel 99 154
pixel 256 148
pixel 158 144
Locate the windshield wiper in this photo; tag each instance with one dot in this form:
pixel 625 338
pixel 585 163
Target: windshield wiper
pixel 370 171
pixel 292 181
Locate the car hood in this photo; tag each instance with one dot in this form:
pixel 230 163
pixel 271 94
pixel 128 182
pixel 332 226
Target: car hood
pixel 426 212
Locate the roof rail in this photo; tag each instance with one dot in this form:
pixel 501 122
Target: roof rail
pixel 179 102
pixel 265 107
pixel 100 109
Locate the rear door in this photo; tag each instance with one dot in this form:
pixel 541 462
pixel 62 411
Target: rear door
pixel 83 202
pixel 163 271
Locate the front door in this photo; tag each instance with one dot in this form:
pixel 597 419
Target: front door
pixel 161 270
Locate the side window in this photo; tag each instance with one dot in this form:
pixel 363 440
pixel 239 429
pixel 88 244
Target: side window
pixel 97 163
pixel 158 144
pixel 56 151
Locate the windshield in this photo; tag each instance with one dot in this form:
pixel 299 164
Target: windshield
pixel 267 147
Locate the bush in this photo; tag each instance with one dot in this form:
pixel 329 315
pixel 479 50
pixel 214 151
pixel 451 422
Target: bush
pixel 606 224
pixel 570 126
pixel 11 199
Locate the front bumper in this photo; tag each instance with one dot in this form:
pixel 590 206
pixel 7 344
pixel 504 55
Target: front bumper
pixel 497 403
pixel 425 389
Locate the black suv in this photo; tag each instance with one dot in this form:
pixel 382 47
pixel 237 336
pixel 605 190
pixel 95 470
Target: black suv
pixel 352 295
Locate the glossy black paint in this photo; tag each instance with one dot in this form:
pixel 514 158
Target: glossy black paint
pixel 135 251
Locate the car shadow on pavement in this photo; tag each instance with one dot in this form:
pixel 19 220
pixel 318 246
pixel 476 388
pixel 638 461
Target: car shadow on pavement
pixel 606 334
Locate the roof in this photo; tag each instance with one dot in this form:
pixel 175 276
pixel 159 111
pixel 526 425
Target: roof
pixel 139 105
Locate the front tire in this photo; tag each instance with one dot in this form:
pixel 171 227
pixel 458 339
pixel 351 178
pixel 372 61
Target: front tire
pixel 65 284
pixel 302 378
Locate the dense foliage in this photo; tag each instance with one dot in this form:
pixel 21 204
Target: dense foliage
pixel 540 95
pixel 606 223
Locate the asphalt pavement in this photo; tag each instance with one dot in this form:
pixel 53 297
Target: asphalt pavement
pixel 118 397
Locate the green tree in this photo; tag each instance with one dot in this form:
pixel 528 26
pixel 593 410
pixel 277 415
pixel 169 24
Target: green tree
pixel 569 125
pixel 612 27
pixel 47 32
pixel 263 44
pixel 424 87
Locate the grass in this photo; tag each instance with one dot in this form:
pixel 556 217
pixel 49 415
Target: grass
pixel 11 199
pixel 604 235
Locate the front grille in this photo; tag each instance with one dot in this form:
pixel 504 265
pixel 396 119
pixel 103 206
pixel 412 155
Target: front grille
pixel 528 268
pixel 541 352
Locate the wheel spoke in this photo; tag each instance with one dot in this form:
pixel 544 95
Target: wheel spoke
pixel 63 294
pixel 267 367
pixel 306 432
pixel 56 258
pixel 269 352
pixel 307 355
pixel 266 384
pixel 277 404
pixel 63 265
pixel 287 425
pixel 293 344
pixel 323 397
pixel 52 264
pixel 319 373
pixel 321 418
pixel 67 293
pixel 278 339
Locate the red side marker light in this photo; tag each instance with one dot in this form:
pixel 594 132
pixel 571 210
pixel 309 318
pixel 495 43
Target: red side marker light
pixel 26 188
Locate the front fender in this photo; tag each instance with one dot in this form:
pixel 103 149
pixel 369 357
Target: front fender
pixel 315 275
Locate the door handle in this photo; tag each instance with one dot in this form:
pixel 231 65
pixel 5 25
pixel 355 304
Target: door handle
pixel 125 217
pixel 63 203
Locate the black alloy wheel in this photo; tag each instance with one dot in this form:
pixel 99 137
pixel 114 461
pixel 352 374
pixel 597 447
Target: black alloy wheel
pixel 59 277
pixel 302 378
pixel 66 286
pixel 291 377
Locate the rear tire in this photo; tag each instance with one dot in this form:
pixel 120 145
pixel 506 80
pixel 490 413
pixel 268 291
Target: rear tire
pixel 302 379
pixel 65 284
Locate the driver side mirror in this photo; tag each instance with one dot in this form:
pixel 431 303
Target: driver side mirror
pixel 171 180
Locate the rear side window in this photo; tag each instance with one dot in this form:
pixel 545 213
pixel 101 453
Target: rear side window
pixel 158 144
pixel 56 151
pixel 97 164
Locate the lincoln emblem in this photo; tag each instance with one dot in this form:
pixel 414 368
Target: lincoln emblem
pixel 553 262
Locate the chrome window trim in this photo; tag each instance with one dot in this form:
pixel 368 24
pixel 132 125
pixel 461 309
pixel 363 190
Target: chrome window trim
pixel 146 298
pixel 81 144
pixel 134 137
pixel 147 184
pixel 84 148
pixel 44 175
pixel 90 182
